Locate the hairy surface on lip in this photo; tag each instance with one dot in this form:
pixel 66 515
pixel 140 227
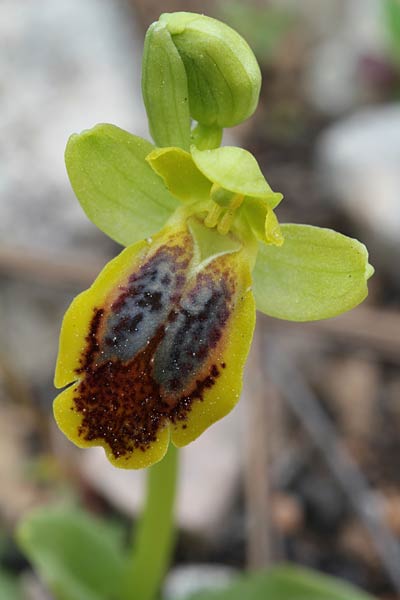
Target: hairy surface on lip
pixel 154 348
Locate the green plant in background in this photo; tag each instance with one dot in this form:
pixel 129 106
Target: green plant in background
pixel 263 26
pixel 391 10
pixel 9 588
pixel 154 351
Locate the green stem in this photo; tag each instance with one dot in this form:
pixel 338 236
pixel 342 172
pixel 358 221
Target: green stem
pixel 206 137
pixel 155 532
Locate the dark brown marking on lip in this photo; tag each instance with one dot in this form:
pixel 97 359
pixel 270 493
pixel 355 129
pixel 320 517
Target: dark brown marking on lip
pixel 127 401
pixel 122 404
pixel 92 345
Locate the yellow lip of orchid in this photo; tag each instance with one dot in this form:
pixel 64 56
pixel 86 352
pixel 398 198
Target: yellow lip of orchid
pixel 156 347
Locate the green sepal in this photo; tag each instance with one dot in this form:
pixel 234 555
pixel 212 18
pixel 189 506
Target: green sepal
pixel 235 170
pixel 179 173
pixel 165 89
pixel 116 188
pixel 316 274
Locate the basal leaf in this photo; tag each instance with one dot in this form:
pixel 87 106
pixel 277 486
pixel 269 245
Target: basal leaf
pixel 9 587
pixel 76 555
pixel 286 583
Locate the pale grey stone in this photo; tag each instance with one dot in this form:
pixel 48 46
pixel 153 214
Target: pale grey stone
pixel 345 31
pixel 64 66
pixel 190 579
pixel 359 163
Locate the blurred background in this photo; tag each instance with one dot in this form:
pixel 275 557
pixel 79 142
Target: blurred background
pixel 307 467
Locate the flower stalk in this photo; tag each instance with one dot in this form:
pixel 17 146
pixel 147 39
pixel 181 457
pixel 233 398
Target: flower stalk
pixel 154 535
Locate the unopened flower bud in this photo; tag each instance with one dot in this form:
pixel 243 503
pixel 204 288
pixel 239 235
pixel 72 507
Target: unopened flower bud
pixel 223 78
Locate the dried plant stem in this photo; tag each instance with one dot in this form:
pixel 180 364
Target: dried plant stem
pixel 366 503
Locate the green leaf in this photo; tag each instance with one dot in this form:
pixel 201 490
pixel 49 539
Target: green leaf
pixel 180 174
pixel 9 587
pixel 165 89
pixel 76 555
pixel 235 170
pixel 286 583
pixel 316 274
pixel 117 189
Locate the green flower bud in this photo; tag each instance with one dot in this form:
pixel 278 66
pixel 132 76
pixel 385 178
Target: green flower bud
pixel 223 78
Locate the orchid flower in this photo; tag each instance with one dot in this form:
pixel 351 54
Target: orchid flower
pixel 154 350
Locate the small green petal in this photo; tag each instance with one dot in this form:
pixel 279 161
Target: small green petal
pixel 180 174
pixel 116 187
pixel 165 89
pixel 316 274
pixel 273 233
pixel 262 221
pixel 235 170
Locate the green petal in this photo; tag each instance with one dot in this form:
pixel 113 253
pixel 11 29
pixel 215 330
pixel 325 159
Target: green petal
pixel 316 274
pixel 235 170
pixel 180 174
pixel 165 89
pixel 116 187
